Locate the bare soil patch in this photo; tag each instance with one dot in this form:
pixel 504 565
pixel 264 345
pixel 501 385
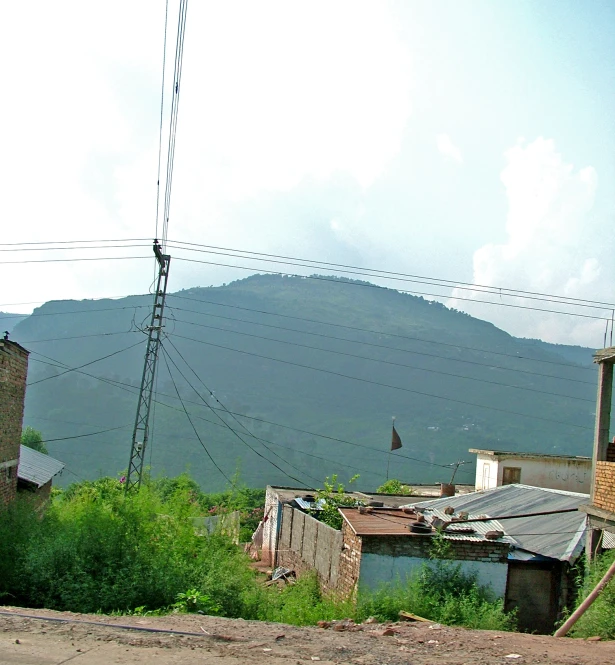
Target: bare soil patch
pixel 222 641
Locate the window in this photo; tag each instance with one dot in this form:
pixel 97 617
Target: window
pixel 510 475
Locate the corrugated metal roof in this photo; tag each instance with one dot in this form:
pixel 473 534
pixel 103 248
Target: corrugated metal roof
pixel 554 536
pixel 379 522
pixel 34 467
pixel 395 522
pixel 480 528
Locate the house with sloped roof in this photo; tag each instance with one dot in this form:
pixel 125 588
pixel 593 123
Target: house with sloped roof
pixel 35 474
pixel 546 532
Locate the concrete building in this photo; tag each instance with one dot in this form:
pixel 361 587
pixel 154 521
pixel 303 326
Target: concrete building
pixel 559 472
pixel 13 373
pixel 601 506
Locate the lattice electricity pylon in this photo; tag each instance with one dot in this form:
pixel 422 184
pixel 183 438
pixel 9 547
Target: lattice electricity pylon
pixel 141 429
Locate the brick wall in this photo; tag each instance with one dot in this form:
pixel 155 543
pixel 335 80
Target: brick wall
pixel 38 496
pixel 350 561
pixel 421 546
pixel 604 487
pixel 13 371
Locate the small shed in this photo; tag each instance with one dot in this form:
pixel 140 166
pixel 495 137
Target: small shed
pixel 35 474
pixel 547 534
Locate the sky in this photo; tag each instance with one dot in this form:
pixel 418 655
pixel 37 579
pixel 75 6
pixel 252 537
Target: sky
pixel 467 140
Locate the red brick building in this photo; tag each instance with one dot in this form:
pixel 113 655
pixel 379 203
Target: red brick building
pixel 13 373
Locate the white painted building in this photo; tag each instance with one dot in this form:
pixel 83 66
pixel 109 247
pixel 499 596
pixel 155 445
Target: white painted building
pixel 559 472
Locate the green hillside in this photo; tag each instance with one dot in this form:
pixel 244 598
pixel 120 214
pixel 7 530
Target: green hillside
pixel 327 356
pixel 8 321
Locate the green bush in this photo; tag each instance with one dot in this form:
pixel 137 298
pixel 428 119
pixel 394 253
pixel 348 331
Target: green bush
pixel 600 617
pixel 98 549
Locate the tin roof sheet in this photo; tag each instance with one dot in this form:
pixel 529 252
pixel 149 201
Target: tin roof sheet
pixel 557 536
pixel 34 467
pixel 379 522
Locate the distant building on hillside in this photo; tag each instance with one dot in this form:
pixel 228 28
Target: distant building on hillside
pixel 558 472
pixel 13 373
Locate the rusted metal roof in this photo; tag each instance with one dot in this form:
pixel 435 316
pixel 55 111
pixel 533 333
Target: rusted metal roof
pixel 379 522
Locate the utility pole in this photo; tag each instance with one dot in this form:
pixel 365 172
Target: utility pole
pixel 154 332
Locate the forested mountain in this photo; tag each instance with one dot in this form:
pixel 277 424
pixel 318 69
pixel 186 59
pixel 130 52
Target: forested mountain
pixel 8 321
pixel 324 355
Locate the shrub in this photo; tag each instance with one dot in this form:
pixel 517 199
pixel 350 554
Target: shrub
pixel 600 617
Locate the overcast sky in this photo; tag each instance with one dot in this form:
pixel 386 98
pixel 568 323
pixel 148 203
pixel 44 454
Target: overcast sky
pixel 466 140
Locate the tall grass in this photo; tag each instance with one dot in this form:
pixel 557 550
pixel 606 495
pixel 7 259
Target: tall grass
pixel 97 549
pixel 600 617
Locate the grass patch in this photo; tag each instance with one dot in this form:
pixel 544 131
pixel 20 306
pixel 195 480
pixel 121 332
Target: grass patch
pixel 600 617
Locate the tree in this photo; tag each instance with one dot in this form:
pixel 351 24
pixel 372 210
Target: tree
pixel 33 439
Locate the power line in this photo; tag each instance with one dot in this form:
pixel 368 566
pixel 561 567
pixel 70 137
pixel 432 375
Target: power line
pixel 375 286
pixel 384 385
pixel 67 249
pixel 380 273
pixel 97 258
pixel 367 330
pixel 60 339
pixel 133 390
pixel 213 461
pixel 388 362
pixel 80 436
pixel 91 362
pixel 72 242
pixel 77 311
pixel 164 66
pixel 231 428
pixel 177 76
pixel 495 290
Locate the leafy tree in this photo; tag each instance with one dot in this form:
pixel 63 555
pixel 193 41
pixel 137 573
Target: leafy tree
pixel 33 439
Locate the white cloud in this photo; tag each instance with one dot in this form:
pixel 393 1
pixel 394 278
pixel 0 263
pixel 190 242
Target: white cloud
pixel 447 148
pixel 553 245
pixel 273 94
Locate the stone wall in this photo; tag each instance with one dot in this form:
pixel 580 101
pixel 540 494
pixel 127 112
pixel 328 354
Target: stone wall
pixel 604 488
pixel 307 544
pixel 13 371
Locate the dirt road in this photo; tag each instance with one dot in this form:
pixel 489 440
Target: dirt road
pixel 41 641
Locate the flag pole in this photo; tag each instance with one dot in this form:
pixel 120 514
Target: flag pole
pixel 390 450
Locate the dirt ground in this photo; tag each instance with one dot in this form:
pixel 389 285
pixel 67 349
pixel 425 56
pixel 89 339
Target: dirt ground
pixel 219 641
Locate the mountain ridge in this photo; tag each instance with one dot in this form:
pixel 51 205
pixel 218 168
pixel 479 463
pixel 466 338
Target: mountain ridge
pixel 330 356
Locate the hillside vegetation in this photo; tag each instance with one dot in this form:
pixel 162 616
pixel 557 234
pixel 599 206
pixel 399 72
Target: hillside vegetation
pixel 327 356
pixel 99 549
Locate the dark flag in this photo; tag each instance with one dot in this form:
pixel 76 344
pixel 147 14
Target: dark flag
pixel 395 440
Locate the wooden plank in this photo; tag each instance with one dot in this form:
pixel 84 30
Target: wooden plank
pixel 408 616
